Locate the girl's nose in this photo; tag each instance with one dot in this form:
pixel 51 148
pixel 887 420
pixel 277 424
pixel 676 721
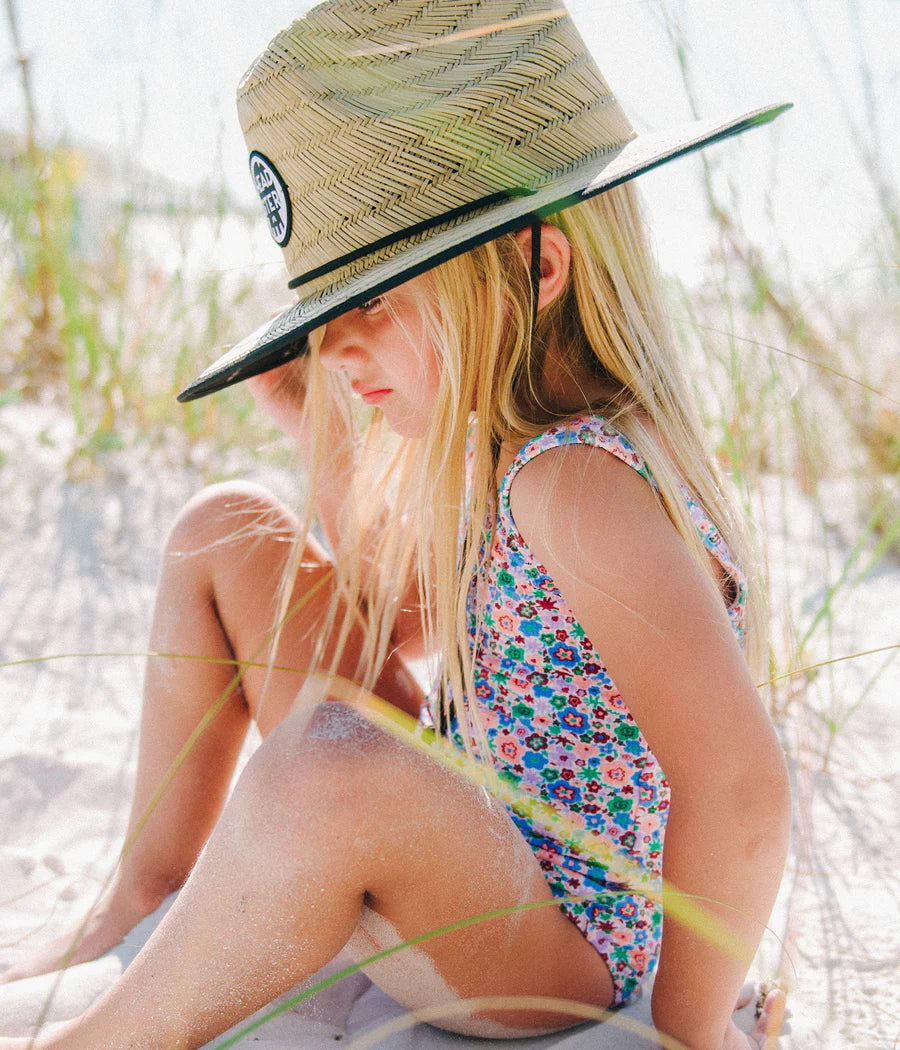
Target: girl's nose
pixel 337 349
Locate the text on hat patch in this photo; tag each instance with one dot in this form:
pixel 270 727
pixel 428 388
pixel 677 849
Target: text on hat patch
pixel 275 199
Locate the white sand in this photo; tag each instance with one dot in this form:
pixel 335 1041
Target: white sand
pixel 77 569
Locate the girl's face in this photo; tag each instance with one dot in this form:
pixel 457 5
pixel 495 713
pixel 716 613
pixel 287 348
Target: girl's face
pixel 383 348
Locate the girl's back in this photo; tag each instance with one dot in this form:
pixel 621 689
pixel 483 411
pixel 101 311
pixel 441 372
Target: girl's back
pixel 585 789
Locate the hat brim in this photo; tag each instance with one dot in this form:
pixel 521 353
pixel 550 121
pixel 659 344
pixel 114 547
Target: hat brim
pixel 285 337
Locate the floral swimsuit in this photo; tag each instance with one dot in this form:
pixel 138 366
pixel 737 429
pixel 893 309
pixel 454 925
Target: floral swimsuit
pixel 589 796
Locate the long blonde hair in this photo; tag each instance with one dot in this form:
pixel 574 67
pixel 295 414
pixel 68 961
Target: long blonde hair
pixel 609 322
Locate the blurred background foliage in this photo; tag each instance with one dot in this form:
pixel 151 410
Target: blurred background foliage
pixel 116 289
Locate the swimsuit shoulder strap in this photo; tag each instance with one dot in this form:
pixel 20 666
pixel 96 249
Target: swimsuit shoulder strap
pixel 598 432
pixel 594 431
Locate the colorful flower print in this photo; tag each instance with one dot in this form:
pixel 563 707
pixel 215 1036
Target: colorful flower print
pixel 508 747
pixel 564 655
pixel 591 798
pixel 572 719
pixel 615 774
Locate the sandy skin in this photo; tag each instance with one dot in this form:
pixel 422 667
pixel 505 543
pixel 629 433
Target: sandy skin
pixel 328 815
pixel 333 766
pixel 296 906
pixel 336 760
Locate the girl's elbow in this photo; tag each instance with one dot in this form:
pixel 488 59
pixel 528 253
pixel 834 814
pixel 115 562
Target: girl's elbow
pixel 775 784
pixel 780 796
pixel 761 799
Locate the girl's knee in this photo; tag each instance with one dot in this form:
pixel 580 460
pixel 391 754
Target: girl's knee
pixel 329 752
pixel 227 514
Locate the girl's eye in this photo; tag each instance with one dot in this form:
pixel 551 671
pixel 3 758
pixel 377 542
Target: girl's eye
pixel 370 305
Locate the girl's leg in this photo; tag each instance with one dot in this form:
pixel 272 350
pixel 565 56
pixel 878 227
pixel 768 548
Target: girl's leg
pixel 329 817
pixel 216 600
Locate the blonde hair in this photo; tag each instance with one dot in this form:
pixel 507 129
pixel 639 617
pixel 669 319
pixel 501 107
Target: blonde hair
pixel 609 323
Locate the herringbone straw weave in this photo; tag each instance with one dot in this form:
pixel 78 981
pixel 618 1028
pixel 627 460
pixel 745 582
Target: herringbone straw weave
pixel 411 110
pixel 387 136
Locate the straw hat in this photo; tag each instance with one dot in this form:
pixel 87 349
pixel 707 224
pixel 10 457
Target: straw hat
pixel 388 136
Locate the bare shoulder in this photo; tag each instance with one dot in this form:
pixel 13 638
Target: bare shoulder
pixel 580 498
pixel 649 609
pixel 600 530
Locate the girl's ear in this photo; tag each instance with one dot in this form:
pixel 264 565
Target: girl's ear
pixel 556 259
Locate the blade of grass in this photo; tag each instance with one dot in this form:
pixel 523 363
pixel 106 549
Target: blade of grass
pixel 464 1007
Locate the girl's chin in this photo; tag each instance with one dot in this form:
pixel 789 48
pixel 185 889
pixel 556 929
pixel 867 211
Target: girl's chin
pixel 404 426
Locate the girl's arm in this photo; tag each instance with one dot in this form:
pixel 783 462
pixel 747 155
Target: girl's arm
pixel 662 631
pixel 279 393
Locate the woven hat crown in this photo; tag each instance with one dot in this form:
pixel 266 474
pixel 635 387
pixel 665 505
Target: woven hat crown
pixel 387 136
pixel 378 123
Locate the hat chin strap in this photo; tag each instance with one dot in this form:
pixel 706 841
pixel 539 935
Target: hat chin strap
pixel 535 270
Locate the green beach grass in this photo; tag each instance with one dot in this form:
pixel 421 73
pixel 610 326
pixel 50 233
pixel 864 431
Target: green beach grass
pixel 799 383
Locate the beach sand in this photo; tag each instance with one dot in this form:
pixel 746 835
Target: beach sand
pixel 78 562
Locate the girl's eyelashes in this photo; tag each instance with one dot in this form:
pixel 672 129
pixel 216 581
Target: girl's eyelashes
pixel 371 304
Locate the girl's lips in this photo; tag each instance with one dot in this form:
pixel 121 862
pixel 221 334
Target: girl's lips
pixel 372 397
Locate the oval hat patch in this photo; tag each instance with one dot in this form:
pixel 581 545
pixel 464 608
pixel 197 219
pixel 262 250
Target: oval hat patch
pixel 274 195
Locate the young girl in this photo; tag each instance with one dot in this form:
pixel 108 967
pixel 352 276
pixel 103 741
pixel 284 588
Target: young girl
pixel 449 184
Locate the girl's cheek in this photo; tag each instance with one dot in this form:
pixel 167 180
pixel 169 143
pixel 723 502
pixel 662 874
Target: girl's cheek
pixel 432 365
